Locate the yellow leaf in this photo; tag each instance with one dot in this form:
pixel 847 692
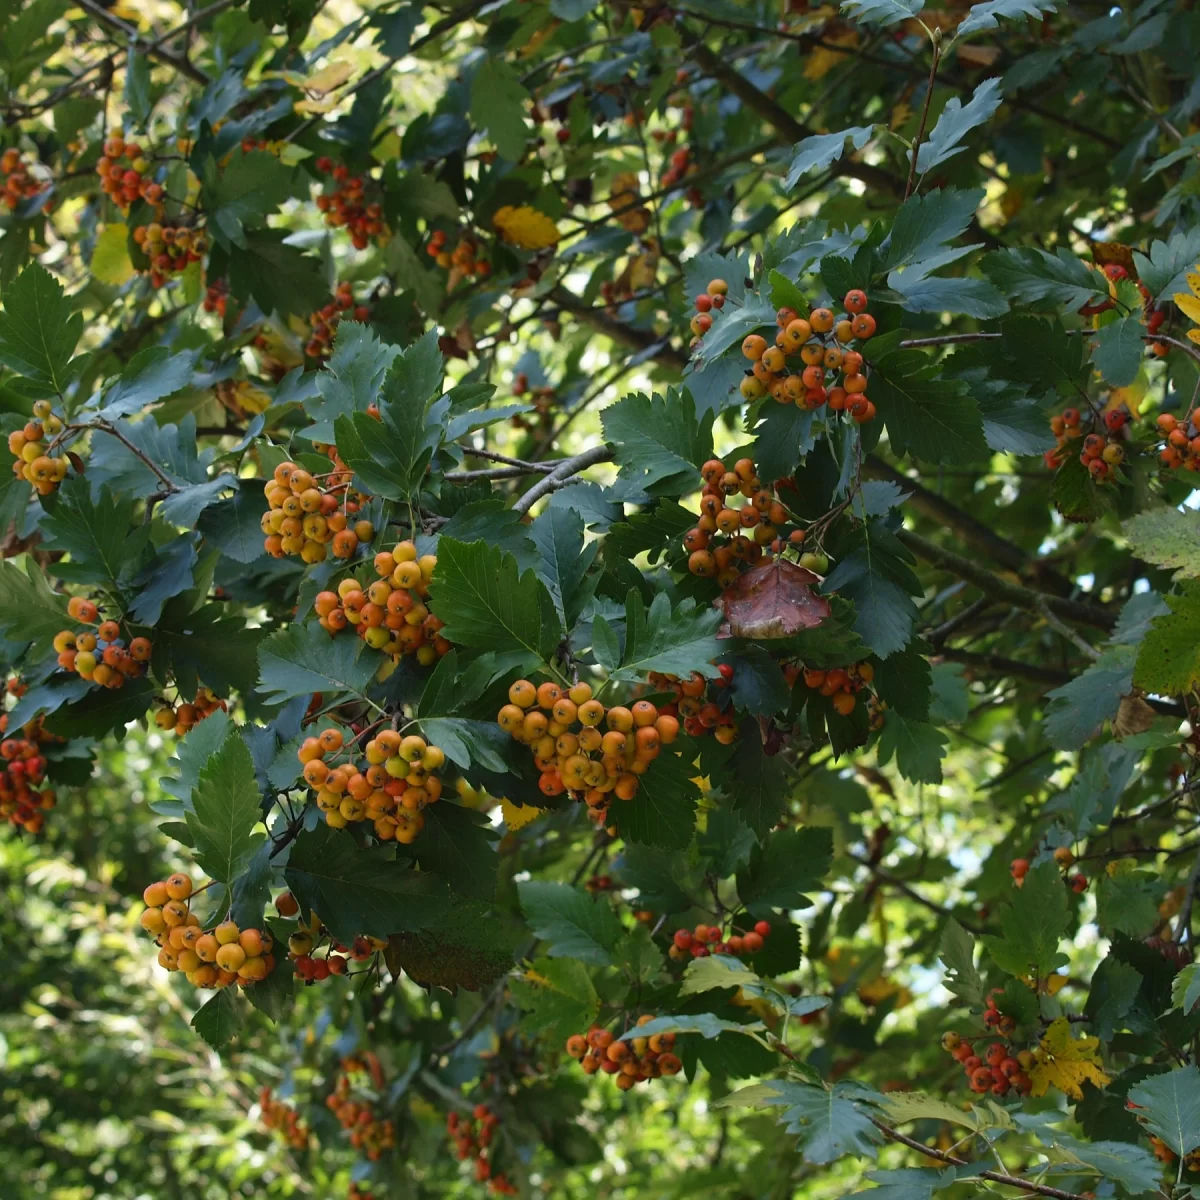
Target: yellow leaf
pixel 822 60
pixel 526 227
pixel 328 104
pixel 1194 335
pixel 1193 281
pixel 1188 304
pixel 1065 1062
pixel 111 262
pixel 517 816
pixel 324 81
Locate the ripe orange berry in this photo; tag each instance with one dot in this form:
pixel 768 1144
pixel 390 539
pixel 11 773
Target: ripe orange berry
pixel 179 886
pixel 821 320
pixel 753 347
pixel 863 326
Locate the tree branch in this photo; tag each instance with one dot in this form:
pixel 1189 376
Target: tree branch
pixel 152 49
pixel 561 476
pixel 912 893
pixel 916 146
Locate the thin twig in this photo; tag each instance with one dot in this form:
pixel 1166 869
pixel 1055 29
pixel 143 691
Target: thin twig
pixel 916 146
pixel 179 62
pixel 561 476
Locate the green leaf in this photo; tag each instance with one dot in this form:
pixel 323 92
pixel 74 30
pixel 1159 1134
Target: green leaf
pixel 303 659
pixel 1167 537
pixel 572 923
pixel 564 562
pixel 488 604
pixel 1168 661
pixel 958 957
pixel 1165 272
pixel 761 796
pixel 278 277
pixel 725 842
pixel 272 996
pixel 988 14
pixel 350 381
pixel 151 375
pixel 1078 709
pixel 822 150
pixel 468 946
pixel 459 844
pixel 705 1024
pixel 663 810
pixel 1127 901
pixel 637 956
pixel 922 293
pixel 169 572
pixel 219 1020
pixel 1169 1107
pixel 950 699
pixel 661 879
pixel 233 525
pixel 244 191
pixel 658 441
pixel 1119 350
pixel 111 263
pixel 884 613
pixel 731 325
pixel 498 104
pixel 916 745
pixel 671 642
pixel 207 646
pixel 361 891
pixel 1033 923
pixel 97 536
pixel 956 121
pixel 39 330
pixel 1133 1167
pixel 1076 494
pixel 192 752
pixel 1114 988
pixel 1185 987
pixel 226 805
pixel 788 864
pixel 830 1122
pixel 906 1183
pixel 925 224
pixel 881 13
pixel 1033 275
pixel 927 415
pixel 558 998
pixel 29 610
pixel 716 971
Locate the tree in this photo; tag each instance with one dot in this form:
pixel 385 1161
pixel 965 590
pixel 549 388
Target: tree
pixel 616 547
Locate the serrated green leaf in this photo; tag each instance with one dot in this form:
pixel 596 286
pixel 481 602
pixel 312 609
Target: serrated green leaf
pixel 925 224
pixel 1169 1107
pixel 917 747
pixel 715 971
pixel 459 844
pixel 1034 275
pixel 1168 661
pixel 956 121
pixel 788 864
pixel 1078 709
pixel 498 103
pixel 350 381
pixel 97 536
pixel 277 276
pixel 219 1020
pixel 1167 537
pixel 658 440
pixel 39 330
pixel 761 796
pixel 882 13
pixel 958 957
pixel 150 376
pixel 988 14
pixel 564 561
pixel 1076 494
pixel 29 609
pixel 558 997
pixel 677 642
pixel 705 1024
pixel 1185 987
pixel 225 807
pixel 1033 923
pixel 663 810
pixel 1119 350
pixel 303 659
pixel 822 150
pixel 574 924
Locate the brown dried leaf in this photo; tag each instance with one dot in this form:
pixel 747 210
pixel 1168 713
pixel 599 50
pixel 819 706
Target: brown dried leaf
pixel 1105 254
pixel 1134 715
pixel 772 601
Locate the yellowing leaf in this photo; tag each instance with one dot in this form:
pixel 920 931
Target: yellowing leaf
pixel 1065 1062
pixel 822 60
pixel 111 262
pixel 1193 281
pixel 525 227
pixel 518 816
pixel 1188 304
pixel 328 104
pixel 324 81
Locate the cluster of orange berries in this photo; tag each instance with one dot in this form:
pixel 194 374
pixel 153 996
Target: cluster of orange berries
pixel 704 940
pixel 33 463
pixel 699 715
pixel 472 1138
pixel 392 615
pixel 713 297
pixel 1101 453
pixel 22 771
pixel 369 1132
pixel 344 204
pixel 1063 856
pixel 840 684
pixel 209 959
pixel 309 520
pixel 820 341
pixel 324 321
pixel 998 1070
pixel 169 248
pixel 216 296
pixel 464 258
pixel 681 166
pixel 357 1192
pixel 1181 441
pixel 747 531
pixel 181 718
pixel 562 729
pixel 101 657
pixel 18 184
pixel 396 783
pixel 281 1116
pixel 635 1061
pixel 122 169
pixel 309 936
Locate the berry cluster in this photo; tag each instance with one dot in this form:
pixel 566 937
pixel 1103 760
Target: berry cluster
pixel 122 169
pixel 725 536
pixel 632 1062
pixel 309 520
pixel 819 340
pixel 713 297
pixel 181 718
pixel 397 781
pixel 472 1138
pixel 1181 440
pixel 281 1116
pixel 392 615
pixel 22 771
pixel 101 657
pixel 33 463
pixel 681 166
pixel 324 321
pixel 358 1192
pixel 704 940
pixel 696 703
pixel 216 296
pixel 311 935
pixel 208 958
pixel 463 261
pixel 169 248
pixel 562 729
pixel 18 184
pixel 1019 868
pixel 999 1070
pixel 344 206
pixel 841 684
pixel 1102 452
pixel 369 1131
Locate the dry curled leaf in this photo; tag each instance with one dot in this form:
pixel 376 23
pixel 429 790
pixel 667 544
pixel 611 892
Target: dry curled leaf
pixel 773 601
pixel 1065 1062
pixel 1134 715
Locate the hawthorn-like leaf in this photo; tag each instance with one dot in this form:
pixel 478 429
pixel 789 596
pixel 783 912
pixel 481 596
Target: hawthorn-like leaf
pixel 917 747
pixel 39 331
pixel 169 572
pixel 1133 1167
pixel 29 609
pixel 658 440
pixel 958 957
pixel 572 923
pixel 350 381
pixel 1185 987
pixel 1168 661
pixel 564 561
pixel 956 121
pixel 761 795
pixel 150 376
pixel 707 1025
pixel 234 525
pixel 303 659
pixel 663 810
pixel 498 104
pixel 772 601
pixel 468 946
pixel 923 226
pixel 988 14
pixel 1119 350
pixel 279 277
pixel 459 844
pixel 226 805
pixel 1078 709
pixel 1033 923
pixel 1167 537
pixel 219 1019
pixel 881 13
pixel 1035 275
pixel 557 996
pixel 787 864
pixel 673 642
pixel 821 150
pixel 1168 1106
pixel 716 971
pixel 731 326
pixel 97 536
pixel 1166 269
pixel 1076 494
pixel 925 293
pixel 358 890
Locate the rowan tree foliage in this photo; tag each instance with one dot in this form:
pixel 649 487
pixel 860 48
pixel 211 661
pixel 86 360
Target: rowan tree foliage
pixel 600 599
